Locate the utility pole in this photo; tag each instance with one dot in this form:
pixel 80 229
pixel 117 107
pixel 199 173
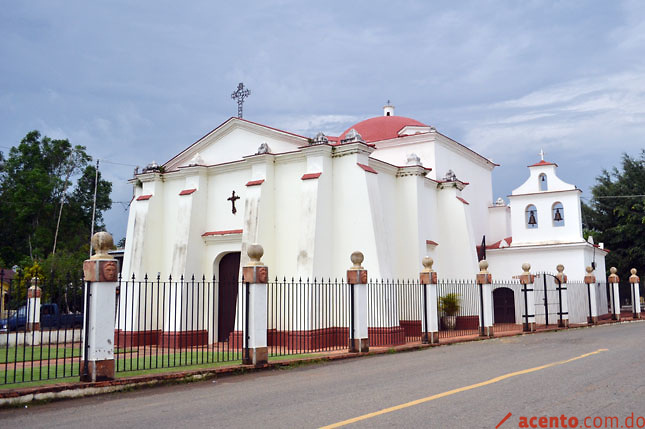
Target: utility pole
pixel 96 182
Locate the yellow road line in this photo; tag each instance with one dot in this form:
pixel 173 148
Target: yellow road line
pixel 458 390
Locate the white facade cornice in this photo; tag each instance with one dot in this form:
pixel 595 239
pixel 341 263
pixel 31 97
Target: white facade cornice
pixel 546 193
pixel 412 170
pixel 352 148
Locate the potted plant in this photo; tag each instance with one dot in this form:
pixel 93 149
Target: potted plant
pixel 449 304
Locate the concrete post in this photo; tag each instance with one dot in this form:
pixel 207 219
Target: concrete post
pixel 357 281
pixel 634 282
pixel 256 278
pixel 484 280
pixel 590 280
pixel 33 306
pixel 614 280
pixel 563 322
pixel 100 272
pixel 429 318
pixel 528 290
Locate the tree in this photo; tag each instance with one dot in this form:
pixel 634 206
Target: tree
pixel 616 214
pixel 36 193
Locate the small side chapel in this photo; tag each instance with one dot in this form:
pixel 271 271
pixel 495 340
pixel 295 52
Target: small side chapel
pixel 545 221
pixel 390 186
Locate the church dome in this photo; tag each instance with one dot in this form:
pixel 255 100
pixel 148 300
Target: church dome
pixel 382 127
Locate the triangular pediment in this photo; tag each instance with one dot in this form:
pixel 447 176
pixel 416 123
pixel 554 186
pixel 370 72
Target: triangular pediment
pixel 232 141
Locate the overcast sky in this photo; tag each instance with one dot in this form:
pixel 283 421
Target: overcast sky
pixel 140 81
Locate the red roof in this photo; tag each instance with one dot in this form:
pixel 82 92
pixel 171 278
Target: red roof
pixel 255 182
pixel 542 163
pixel 367 168
pixel 310 176
pixel 230 231
pixel 463 201
pixel 496 245
pixel 187 191
pixel 144 197
pixel 382 127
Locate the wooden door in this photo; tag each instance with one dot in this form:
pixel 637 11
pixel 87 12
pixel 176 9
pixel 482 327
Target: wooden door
pixel 229 269
pixel 504 305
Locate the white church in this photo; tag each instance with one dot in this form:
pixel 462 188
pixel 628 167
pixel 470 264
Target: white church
pixel 390 186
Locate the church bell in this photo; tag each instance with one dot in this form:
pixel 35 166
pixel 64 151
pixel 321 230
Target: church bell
pixel 532 220
pixel 557 216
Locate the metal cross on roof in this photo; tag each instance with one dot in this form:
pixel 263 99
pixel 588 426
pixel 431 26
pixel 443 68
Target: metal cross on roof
pixel 541 154
pixel 240 94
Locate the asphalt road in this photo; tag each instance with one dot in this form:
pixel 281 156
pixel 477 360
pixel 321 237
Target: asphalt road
pixel 592 372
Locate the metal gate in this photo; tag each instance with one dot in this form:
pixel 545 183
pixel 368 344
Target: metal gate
pixel 548 297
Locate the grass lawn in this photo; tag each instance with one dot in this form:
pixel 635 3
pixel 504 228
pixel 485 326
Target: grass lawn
pixel 128 367
pixel 32 377
pixel 35 353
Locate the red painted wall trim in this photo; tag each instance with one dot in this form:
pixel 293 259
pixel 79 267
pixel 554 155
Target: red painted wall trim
pixel 255 182
pixel 367 168
pixel 462 200
pixel 309 176
pixel 187 191
pixel 144 197
pixel 432 243
pixel 230 231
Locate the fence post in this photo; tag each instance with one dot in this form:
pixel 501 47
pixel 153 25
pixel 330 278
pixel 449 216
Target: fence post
pixel 590 280
pixel 256 278
pixel 33 306
pixel 430 320
pixel 100 272
pixel 563 296
pixel 527 279
pixel 357 281
pixel 484 280
pixel 615 293
pixel 634 282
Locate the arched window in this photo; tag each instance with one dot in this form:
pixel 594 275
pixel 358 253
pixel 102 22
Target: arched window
pixel 531 217
pixel 557 214
pixel 544 185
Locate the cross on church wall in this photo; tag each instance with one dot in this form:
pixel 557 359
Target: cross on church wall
pixel 232 199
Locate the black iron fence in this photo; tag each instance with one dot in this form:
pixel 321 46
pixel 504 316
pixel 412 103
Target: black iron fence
pixel 307 316
pixel 178 322
pixel 40 343
pixel 394 312
pixel 459 308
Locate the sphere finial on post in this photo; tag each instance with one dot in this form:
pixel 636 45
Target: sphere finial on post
pixel 427 263
pixel 590 277
pixel 561 276
pixel 484 277
pixel 526 278
pixel 634 278
pixel 357 274
pixel 102 242
pixel 526 268
pixel 613 277
pixel 357 259
pixel 483 266
pixel 255 252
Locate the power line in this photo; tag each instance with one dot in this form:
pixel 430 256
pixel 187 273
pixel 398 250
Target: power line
pixel 118 163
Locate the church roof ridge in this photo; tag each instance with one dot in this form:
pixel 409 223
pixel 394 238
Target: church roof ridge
pixel 542 163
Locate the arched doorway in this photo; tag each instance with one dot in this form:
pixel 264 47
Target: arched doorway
pixel 229 268
pixel 504 305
